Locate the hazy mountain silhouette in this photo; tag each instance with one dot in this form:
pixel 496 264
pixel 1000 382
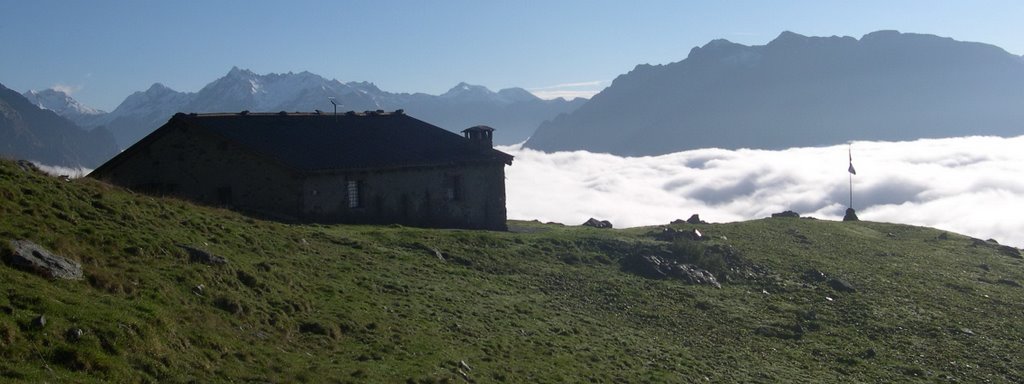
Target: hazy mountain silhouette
pixel 31 133
pixel 514 112
pixel 800 91
pixel 142 112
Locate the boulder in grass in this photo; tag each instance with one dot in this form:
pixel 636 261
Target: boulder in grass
pixel 786 214
pixel 1012 283
pixel 695 219
pixel 1005 250
pixel 1009 251
pixel 655 267
pixel 592 222
pixel 840 285
pixel 197 255
pixel 31 257
pixel 73 334
pixel 27 166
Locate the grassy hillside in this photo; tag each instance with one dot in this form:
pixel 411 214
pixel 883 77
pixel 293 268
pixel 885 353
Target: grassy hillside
pixel 544 303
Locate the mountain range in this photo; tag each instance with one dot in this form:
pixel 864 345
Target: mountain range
pixel 800 91
pixel 793 91
pixel 30 132
pixel 513 112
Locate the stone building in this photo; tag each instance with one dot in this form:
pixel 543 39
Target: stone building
pixel 371 167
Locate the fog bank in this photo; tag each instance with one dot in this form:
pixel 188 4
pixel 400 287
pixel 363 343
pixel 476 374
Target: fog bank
pixel 971 185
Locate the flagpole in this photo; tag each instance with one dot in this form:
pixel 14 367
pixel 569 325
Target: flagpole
pixel 851 215
pixel 851 190
pixel 849 152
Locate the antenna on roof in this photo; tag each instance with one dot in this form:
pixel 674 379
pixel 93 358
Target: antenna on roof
pixel 335 105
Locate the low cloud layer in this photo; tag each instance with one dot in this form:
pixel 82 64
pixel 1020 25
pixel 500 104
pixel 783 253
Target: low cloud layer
pixel 973 185
pixel 569 91
pixel 57 170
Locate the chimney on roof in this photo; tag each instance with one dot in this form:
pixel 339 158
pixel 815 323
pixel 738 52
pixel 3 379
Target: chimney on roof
pixel 481 135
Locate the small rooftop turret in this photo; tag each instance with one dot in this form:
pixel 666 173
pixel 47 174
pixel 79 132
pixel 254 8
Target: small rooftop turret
pixel 480 134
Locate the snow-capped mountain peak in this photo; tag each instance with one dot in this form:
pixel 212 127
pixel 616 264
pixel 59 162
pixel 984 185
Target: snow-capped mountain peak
pixel 241 89
pixel 240 73
pixel 59 102
pixel 463 89
pixel 478 93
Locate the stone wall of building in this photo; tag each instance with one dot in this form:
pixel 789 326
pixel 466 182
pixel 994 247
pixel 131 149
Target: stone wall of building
pixel 458 196
pixel 203 168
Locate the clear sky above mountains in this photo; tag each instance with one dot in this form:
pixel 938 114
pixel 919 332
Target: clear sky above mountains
pixel 101 51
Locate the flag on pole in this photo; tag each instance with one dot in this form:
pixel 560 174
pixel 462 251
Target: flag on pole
pixel 852 171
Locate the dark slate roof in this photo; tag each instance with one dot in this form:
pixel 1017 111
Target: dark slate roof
pixel 317 142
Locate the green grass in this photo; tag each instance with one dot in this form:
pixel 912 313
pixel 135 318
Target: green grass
pixel 546 303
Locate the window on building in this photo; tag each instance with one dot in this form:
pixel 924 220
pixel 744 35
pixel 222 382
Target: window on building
pixel 453 188
pixel 354 194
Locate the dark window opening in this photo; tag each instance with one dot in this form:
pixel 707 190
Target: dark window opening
pixel 453 188
pixel 354 192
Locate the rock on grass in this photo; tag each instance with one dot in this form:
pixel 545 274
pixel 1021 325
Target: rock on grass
pixel 31 257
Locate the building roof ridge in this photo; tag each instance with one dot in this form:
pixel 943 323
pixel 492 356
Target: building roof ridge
pixel 379 112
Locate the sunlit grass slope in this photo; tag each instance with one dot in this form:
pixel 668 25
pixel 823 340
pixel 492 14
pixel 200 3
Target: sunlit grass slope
pixel 545 303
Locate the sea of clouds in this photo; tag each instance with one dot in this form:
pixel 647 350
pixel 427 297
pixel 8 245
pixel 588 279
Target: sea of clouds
pixel 971 185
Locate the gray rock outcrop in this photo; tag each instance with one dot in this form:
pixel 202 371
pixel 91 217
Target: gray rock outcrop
pixel 655 267
pixel 31 257
pixel 695 219
pixel 785 214
pixel 592 222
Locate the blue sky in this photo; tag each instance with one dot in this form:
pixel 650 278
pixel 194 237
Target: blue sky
pixel 102 50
